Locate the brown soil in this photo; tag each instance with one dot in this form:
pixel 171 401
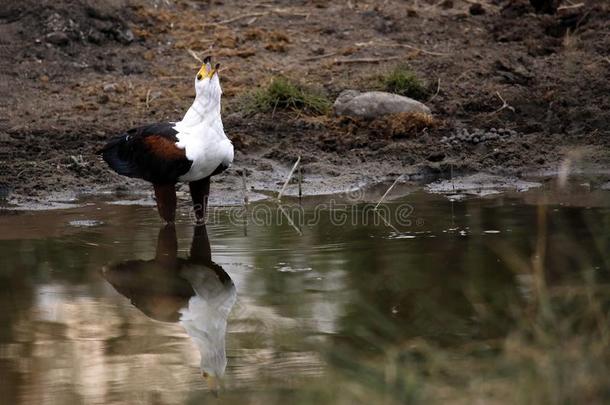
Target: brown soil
pixel 74 72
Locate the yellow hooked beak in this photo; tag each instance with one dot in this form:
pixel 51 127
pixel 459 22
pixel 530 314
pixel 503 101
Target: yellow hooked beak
pixel 212 383
pixel 207 71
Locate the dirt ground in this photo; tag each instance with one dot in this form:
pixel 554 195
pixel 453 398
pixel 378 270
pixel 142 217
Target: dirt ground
pixel 512 91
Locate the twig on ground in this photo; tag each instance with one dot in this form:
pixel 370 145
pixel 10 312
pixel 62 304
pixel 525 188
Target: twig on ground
pixel 260 14
pixel 438 89
pixel 245 188
pixel 194 55
pixel 365 60
pixel 571 6
pixel 148 99
pixel 391 45
pixel 241 17
pixel 288 12
pixel 372 60
pixel 387 192
pixel 419 49
pixel 300 177
pixel 279 196
pixel 452 183
pixel 78 161
pixel 505 105
pixel 457 79
pixel 317 57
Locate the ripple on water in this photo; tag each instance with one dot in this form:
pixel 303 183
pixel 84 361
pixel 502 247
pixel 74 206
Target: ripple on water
pixel 290 269
pixel 395 235
pixel 144 202
pixel 85 223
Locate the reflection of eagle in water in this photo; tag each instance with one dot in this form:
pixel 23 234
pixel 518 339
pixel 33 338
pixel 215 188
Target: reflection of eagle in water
pixel 195 292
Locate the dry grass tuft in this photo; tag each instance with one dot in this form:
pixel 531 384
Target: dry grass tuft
pixel 404 125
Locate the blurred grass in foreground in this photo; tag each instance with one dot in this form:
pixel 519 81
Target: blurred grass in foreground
pixel 557 349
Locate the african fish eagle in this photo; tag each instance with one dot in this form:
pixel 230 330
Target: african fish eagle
pixel 191 150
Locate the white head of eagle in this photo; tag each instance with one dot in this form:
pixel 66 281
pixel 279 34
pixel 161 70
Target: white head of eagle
pixel 207 88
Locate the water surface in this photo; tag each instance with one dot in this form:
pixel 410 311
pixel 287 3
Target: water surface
pixel 103 304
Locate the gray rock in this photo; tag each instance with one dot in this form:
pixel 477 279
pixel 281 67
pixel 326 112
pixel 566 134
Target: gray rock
pixel 110 87
pixel 58 38
pixel 124 36
pixel 375 103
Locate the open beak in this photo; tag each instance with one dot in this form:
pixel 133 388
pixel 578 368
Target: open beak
pixel 207 71
pixel 212 383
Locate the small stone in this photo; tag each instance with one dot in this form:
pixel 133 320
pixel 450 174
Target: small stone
pixel 103 98
pixel 475 139
pixel 124 36
pixel 264 167
pixel 95 37
pixel 132 68
pixel 44 79
pixel 447 4
pixel 436 157
pixel 476 9
pixel 58 38
pixel 110 87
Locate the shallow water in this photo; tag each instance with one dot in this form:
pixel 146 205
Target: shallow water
pixel 102 304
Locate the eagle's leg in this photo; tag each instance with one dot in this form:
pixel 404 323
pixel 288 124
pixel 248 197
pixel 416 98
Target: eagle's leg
pixel 166 201
pixel 200 190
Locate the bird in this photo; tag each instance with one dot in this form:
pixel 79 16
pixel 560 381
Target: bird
pixel 194 292
pixel 190 150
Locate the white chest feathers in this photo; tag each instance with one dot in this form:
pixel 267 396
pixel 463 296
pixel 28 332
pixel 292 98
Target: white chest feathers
pixel 206 146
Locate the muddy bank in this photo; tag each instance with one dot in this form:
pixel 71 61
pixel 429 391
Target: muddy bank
pixel 511 91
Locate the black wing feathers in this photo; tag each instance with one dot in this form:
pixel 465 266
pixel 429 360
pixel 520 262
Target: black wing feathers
pixel 147 152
